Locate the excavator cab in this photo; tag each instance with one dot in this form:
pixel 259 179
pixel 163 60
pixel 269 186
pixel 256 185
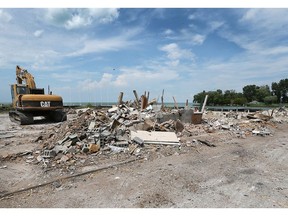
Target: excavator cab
pixel 18 89
pixel 22 89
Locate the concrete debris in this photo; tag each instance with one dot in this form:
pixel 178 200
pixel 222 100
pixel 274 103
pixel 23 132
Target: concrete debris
pixel 178 126
pixel 117 149
pixel 49 154
pixel 263 132
pixel 259 116
pixel 130 126
pixel 138 140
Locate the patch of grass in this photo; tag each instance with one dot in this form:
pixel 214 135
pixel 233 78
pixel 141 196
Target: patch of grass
pixel 267 105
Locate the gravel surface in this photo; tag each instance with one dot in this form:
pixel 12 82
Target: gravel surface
pixel 246 172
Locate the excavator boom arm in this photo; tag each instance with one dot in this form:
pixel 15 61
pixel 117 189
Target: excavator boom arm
pixel 24 75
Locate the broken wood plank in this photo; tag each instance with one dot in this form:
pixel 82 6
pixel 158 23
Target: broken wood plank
pixel 179 127
pixel 153 101
pixel 207 143
pixel 144 102
pixel 259 116
pixel 204 104
pixel 162 100
pixel 186 104
pixel 136 97
pixel 120 98
pixel 175 103
pixel 156 137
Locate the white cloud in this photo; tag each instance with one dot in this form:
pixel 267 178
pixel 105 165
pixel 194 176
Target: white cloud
pixel 175 54
pixel 173 51
pixel 26 51
pixel 105 15
pixel 214 25
pixel 104 45
pixel 168 32
pixel 129 77
pixel 77 21
pixel 250 14
pixel 123 41
pixel 145 76
pixel 265 30
pixel 258 69
pixel 38 33
pixel 276 50
pixel 57 17
pixel 191 17
pixel 108 86
pixel 89 84
pixel 77 18
pixel 4 16
pixel 269 19
pixel 188 36
pixel 198 39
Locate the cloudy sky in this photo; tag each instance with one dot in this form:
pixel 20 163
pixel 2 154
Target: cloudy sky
pixel 92 54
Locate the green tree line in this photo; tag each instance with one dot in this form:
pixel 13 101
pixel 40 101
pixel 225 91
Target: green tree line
pixel 277 94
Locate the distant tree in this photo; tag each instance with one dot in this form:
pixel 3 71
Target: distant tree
pixel 249 92
pixel 199 98
pixel 276 91
pixel 230 97
pixel 240 101
pixel 280 90
pixel 219 91
pixel 214 97
pixel 283 85
pixel 270 99
pixel 219 97
pixel 262 92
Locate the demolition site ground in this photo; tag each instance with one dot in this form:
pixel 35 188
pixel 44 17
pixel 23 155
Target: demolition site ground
pixel 227 161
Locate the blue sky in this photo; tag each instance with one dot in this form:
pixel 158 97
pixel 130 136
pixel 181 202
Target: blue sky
pixel 91 54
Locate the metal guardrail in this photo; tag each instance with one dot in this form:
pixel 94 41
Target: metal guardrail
pixel 237 109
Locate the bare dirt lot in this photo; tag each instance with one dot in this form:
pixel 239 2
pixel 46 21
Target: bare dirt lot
pixel 240 172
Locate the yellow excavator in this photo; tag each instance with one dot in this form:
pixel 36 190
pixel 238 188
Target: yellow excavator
pixel 29 101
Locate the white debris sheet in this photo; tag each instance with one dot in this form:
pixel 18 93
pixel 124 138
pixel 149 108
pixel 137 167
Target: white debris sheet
pixel 156 137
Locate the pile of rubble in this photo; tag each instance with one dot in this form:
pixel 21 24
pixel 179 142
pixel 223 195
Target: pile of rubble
pixel 127 129
pixel 135 129
pixel 92 131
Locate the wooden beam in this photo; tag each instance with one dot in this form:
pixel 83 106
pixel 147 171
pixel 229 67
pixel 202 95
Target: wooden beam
pixel 175 103
pixel 120 98
pixel 162 100
pixel 204 104
pixel 136 97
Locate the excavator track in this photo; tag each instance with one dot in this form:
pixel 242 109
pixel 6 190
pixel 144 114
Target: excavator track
pixel 58 116
pixel 21 118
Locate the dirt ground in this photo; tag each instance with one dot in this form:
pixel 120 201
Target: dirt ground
pixel 246 172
